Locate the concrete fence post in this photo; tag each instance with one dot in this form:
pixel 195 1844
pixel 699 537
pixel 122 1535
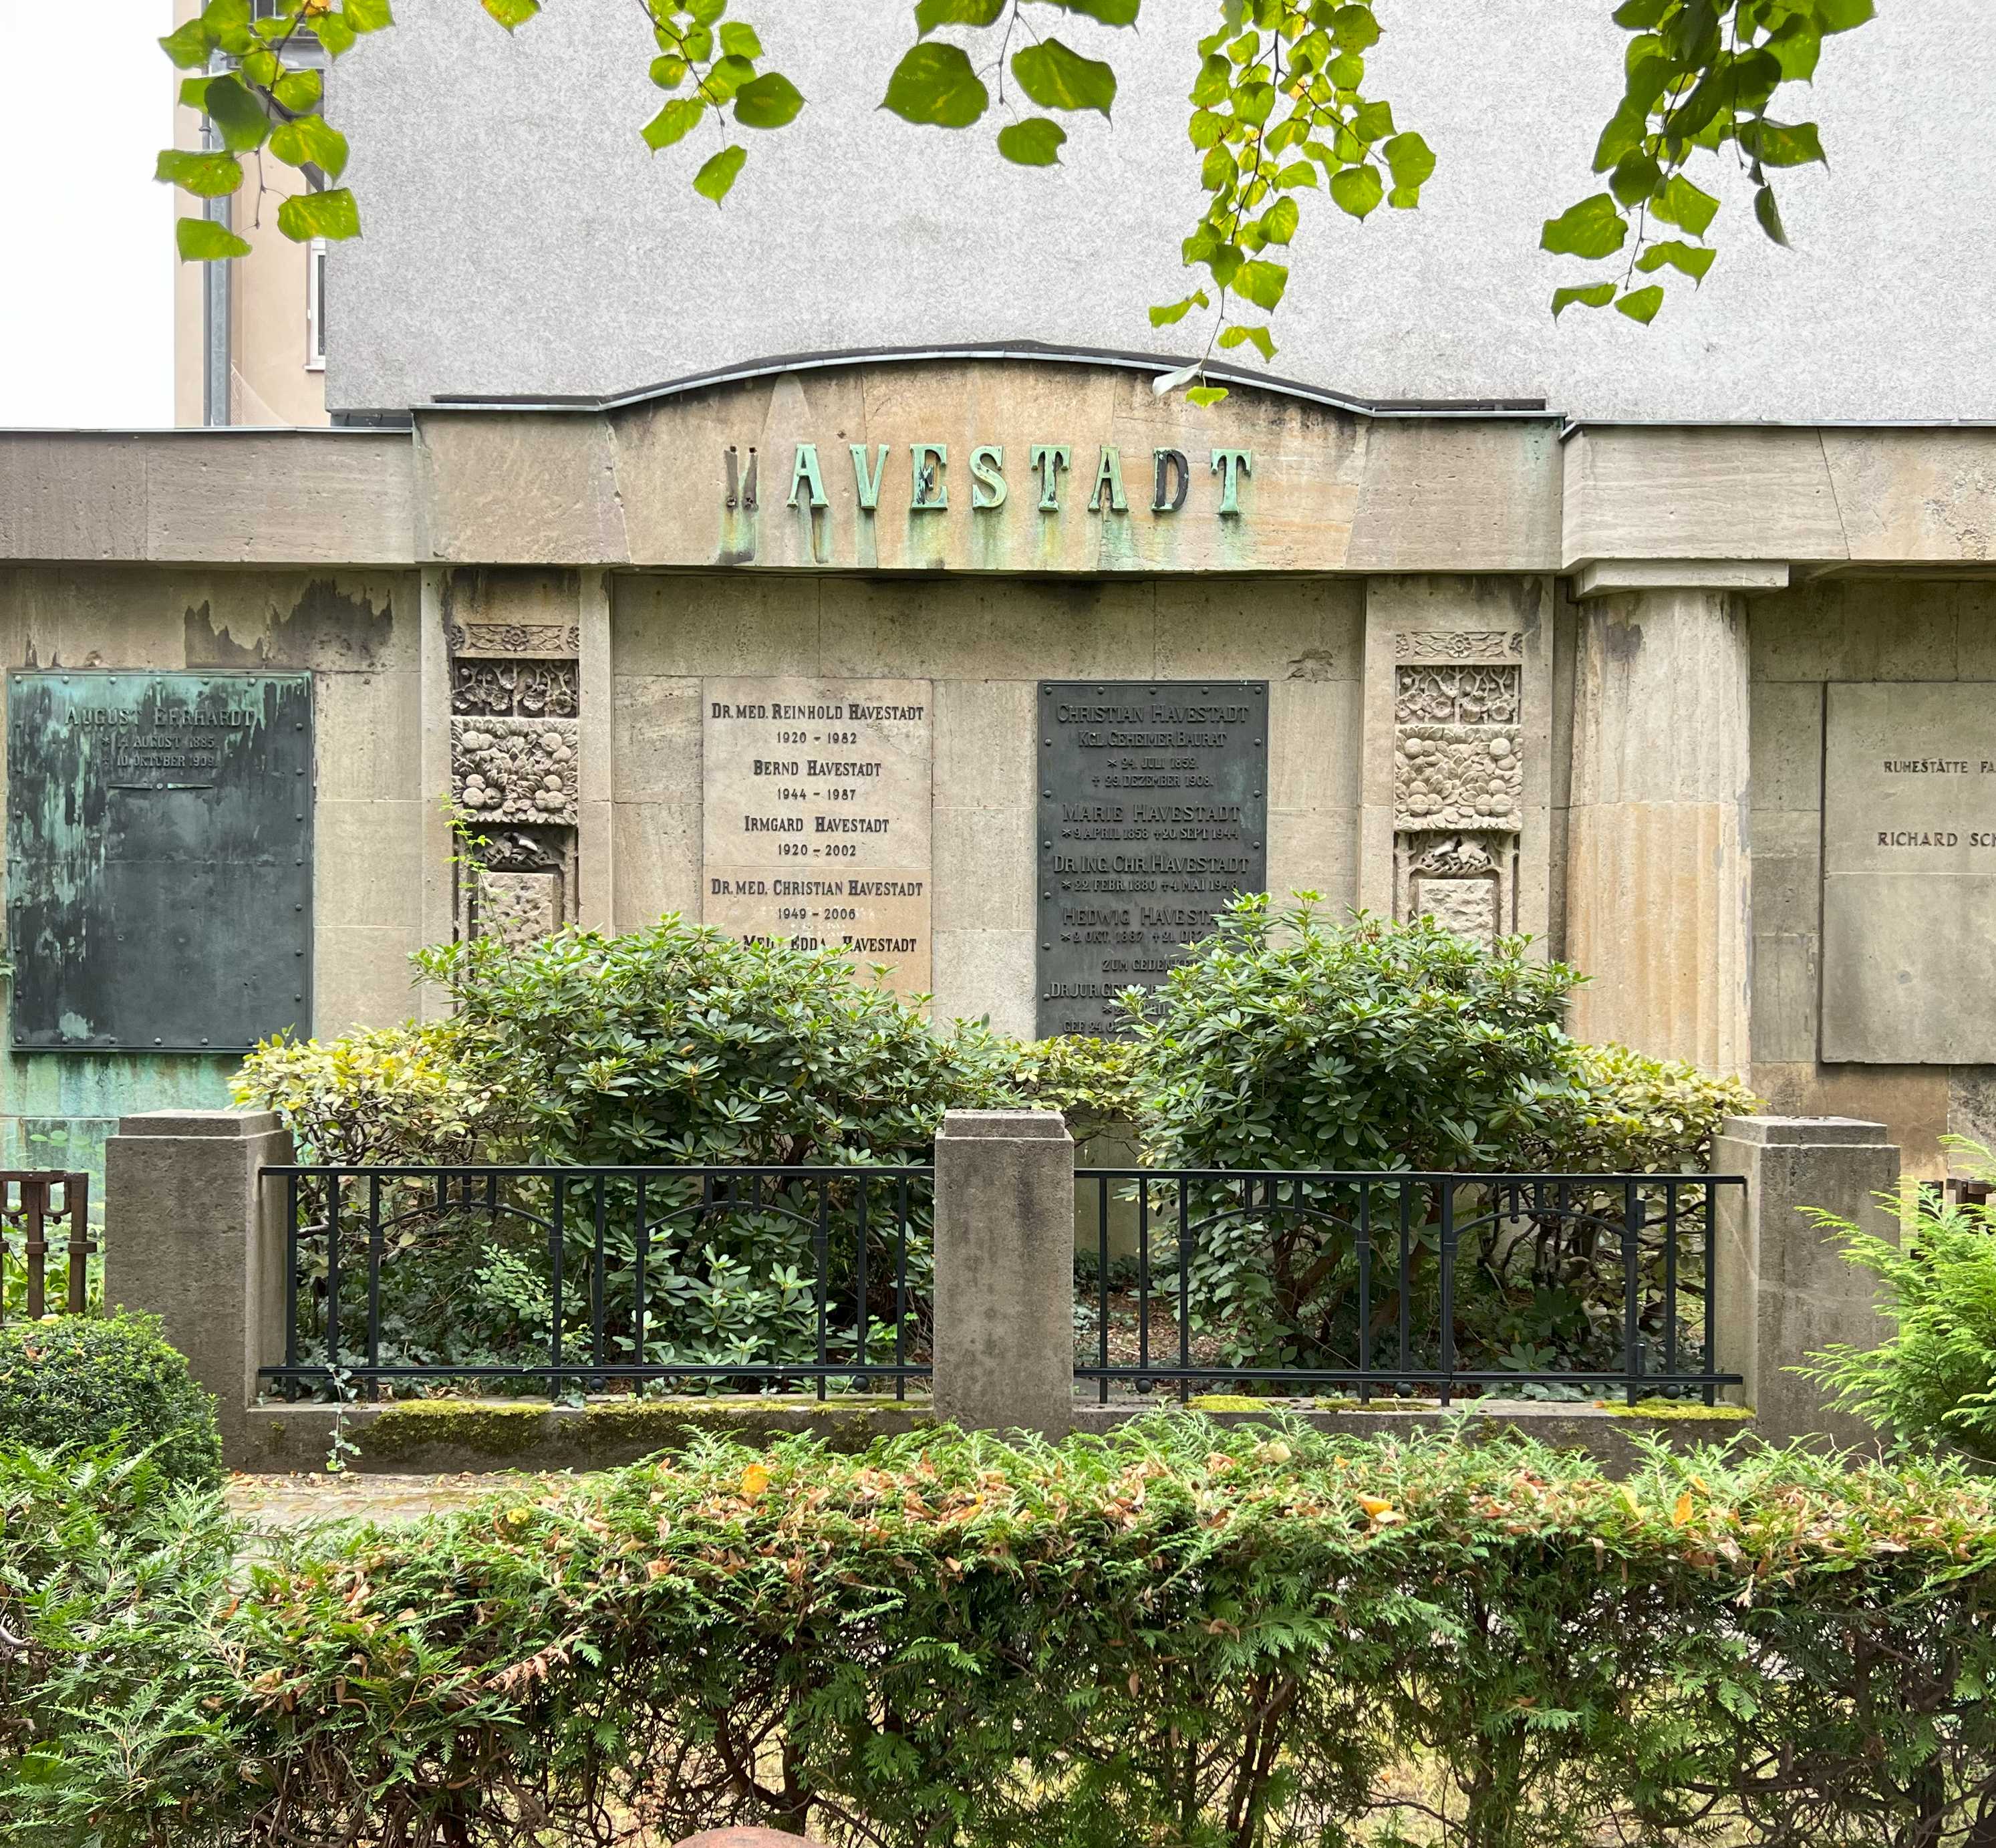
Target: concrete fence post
pixel 190 1236
pixel 1004 1272
pixel 1783 1290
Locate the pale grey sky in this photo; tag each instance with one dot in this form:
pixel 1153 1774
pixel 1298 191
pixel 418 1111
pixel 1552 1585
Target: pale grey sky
pixel 87 302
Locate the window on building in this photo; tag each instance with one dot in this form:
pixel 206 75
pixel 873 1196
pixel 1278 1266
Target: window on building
pixel 315 306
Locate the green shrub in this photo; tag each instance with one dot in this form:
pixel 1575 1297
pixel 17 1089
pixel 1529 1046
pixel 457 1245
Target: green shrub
pixel 1209 1638
pixel 1933 1378
pixel 1626 1113
pixel 92 1381
pixel 1097 1085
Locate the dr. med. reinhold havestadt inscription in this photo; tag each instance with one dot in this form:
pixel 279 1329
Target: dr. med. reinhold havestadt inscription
pixel 1050 471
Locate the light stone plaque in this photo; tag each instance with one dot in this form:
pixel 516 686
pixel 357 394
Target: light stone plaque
pixel 816 807
pixel 1909 875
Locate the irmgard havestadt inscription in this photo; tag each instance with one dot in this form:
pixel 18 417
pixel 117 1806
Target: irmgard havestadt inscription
pixel 816 816
pixel 1153 809
pixel 1909 875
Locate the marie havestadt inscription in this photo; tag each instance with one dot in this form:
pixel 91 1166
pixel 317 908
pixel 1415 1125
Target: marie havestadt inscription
pixel 1153 812
pixel 816 817
pixel 1909 875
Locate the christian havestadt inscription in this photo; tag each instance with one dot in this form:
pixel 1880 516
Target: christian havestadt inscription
pixel 1909 875
pixel 816 816
pixel 159 859
pixel 1153 812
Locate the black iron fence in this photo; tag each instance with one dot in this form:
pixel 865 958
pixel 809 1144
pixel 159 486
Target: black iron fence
pixel 44 1214
pixel 1441 1285
pixel 593 1280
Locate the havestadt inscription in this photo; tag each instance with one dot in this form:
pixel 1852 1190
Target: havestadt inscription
pixel 816 823
pixel 1153 812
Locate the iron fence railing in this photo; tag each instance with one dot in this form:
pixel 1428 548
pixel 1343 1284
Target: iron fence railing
pixel 36 1204
pixel 1385 1284
pixel 584 1279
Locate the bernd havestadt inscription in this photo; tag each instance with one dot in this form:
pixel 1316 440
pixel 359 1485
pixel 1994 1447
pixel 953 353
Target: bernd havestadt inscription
pixel 817 816
pixel 1909 875
pixel 1153 812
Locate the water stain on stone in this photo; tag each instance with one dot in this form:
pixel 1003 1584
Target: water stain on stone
pixel 326 628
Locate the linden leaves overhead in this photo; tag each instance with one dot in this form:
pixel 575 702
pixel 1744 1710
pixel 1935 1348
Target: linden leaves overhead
pixel 1280 110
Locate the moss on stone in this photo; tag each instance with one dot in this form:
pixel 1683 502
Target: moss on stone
pixel 1228 1401
pixel 1683 1411
pixel 486 1427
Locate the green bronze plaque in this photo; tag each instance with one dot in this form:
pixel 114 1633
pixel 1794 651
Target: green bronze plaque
pixel 159 859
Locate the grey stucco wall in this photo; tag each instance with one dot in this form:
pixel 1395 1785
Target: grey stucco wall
pixel 521 237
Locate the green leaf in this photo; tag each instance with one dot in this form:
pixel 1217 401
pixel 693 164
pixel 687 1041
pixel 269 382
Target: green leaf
pixel 1639 16
pixel 1373 123
pixel 1346 71
pixel 1035 141
pixel 1693 260
pixel 934 84
pixel 300 90
pixel 674 123
pixel 1205 395
pixel 1215 80
pixel 1681 203
pixel 1355 28
pixel 929 14
pixel 1796 45
pixel 1253 101
pixel 1842 15
pixel 311 140
pixel 203 240
pixel 510 13
pixel 208 176
pixel 1410 158
pixel 1279 222
pixel 1641 305
pixel 1592 294
pixel 669 71
pixel 1177 310
pixel 1357 189
pixel 368 15
pixel 724 77
pixel 1262 341
pixel 187 46
pixel 1769 215
pixel 1261 282
pixel 1057 78
pixel 334 33
pixel 770 101
pixel 237 114
pixel 1779 144
pixel 1592 228
pixel 1106 12
pixel 328 215
pixel 1636 175
pixel 713 180
pixel 739 40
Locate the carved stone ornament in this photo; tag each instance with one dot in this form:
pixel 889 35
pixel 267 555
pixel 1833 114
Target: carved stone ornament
pixel 1464 882
pixel 1459 645
pixel 518 908
pixel 1456 760
pixel 1468 907
pixel 515 770
pixel 513 689
pixel 502 640
pixel 526 849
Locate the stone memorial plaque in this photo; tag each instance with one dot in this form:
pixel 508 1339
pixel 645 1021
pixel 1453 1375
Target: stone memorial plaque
pixel 816 811
pixel 1153 811
pixel 1909 875
pixel 159 859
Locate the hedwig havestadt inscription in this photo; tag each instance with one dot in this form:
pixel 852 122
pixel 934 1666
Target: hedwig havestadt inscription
pixel 816 816
pixel 1153 812
pixel 1909 875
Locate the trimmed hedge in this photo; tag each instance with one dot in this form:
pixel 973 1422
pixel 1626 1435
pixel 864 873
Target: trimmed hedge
pixel 1180 1634
pixel 95 1380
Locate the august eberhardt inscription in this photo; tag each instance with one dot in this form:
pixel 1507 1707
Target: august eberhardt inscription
pixel 1153 811
pixel 1909 875
pixel 817 817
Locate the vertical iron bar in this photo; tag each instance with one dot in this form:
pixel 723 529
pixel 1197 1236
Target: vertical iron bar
pixel 557 1237
pixel 1448 1290
pixel 1102 1286
pixel 599 1264
pixel 644 1254
pixel 864 1379
pixel 1710 1216
pixel 1364 1293
pixel 332 1191
pixel 76 1199
pixel 34 1202
pixel 1406 1276
pixel 819 1256
pixel 374 1284
pixel 1184 1291
pixel 901 1288
pixel 1670 1277
pixel 1632 1210
pixel 291 1280
pixel 1143 1275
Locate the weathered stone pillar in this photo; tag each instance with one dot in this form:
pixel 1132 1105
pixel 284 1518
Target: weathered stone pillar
pixel 196 1240
pixel 1657 893
pixel 1004 1270
pixel 1782 1288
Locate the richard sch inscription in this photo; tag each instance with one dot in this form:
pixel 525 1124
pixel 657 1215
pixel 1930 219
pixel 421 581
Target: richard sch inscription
pixel 816 806
pixel 1153 812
